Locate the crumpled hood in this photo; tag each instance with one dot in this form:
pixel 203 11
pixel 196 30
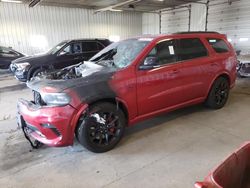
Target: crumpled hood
pixel 91 75
pixel 33 59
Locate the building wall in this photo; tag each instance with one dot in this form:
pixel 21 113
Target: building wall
pixel 175 20
pixel 150 23
pixel 232 20
pixel 35 30
pixel 198 17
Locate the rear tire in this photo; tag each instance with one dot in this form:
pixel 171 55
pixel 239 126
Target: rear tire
pixel 103 127
pixel 218 94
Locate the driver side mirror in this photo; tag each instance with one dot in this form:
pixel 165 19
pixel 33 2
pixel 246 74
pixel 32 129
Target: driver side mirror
pixel 149 63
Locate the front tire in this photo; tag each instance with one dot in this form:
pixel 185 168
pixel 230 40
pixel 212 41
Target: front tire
pixel 102 129
pixel 37 72
pixel 218 94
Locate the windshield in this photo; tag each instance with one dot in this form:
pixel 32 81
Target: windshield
pixel 57 48
pixel 120 54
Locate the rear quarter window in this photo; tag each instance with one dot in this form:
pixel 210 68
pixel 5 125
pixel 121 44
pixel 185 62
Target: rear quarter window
pixel 191 48
pixel 218 45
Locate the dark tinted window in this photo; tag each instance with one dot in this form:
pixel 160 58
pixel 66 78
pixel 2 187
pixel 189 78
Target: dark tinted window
pixel 218 45
pixel 76 48
pixel 190 49
pixel 164 52
pixel 90 47
pixel 100 46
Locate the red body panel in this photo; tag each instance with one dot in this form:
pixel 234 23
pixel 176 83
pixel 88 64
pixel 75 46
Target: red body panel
pixel 144 93
pixel 234 172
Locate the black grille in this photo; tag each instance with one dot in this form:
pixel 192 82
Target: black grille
pixel 38 99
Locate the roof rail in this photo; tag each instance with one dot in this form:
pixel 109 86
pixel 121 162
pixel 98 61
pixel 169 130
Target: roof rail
pixel 197 32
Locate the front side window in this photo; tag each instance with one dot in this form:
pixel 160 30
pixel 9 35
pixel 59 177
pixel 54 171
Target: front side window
pixel 73 48
pixel 57 48
pixel 218 45
pixel 164 52
pixel 191 48
pixel 76 48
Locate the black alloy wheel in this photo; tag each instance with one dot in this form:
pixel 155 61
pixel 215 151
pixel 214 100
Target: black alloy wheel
pixel 218 94
pixel 102 129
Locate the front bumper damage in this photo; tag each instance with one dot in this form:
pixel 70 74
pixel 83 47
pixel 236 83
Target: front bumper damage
pixel 52 126
pixel 21 75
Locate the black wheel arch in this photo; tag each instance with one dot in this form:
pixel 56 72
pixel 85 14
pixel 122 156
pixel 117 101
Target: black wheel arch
pixel 114 101
pixel 224 75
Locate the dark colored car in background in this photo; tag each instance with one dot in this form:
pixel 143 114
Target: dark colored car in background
pixel 7 55
pixel 127 82
pixel 66 53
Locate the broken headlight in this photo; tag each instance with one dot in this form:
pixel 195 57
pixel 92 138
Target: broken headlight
pixel 22 66
pixel 56 99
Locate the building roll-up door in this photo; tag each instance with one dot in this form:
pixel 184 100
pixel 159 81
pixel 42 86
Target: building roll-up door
pixel 173 21
pixel 232 20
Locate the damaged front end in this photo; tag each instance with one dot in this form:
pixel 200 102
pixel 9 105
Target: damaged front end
pixel 243 66
pixel 72 72
pixel 48 117
pixel 59 100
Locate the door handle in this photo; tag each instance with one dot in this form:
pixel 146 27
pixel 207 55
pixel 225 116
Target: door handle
pixel 175 71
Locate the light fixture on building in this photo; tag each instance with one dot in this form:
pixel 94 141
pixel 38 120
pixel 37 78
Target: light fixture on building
pixel 115 10
pixel 11 1
pixel 34 3
pixel 244 39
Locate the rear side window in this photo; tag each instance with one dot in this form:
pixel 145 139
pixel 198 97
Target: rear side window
pixel 100 46
pixel 190 49
pixel 90 47
pixel 218 45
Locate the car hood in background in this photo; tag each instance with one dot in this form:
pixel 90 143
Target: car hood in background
pixel 33 59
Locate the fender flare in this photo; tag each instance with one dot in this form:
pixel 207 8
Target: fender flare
pixel 225 74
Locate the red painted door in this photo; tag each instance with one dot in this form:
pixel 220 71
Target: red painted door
pixel 159 86
pixel 194 57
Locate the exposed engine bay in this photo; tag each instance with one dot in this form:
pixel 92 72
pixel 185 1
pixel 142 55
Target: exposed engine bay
pixel 76 71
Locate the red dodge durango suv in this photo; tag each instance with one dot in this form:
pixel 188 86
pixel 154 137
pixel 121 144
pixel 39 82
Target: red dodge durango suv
pixel 127 82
